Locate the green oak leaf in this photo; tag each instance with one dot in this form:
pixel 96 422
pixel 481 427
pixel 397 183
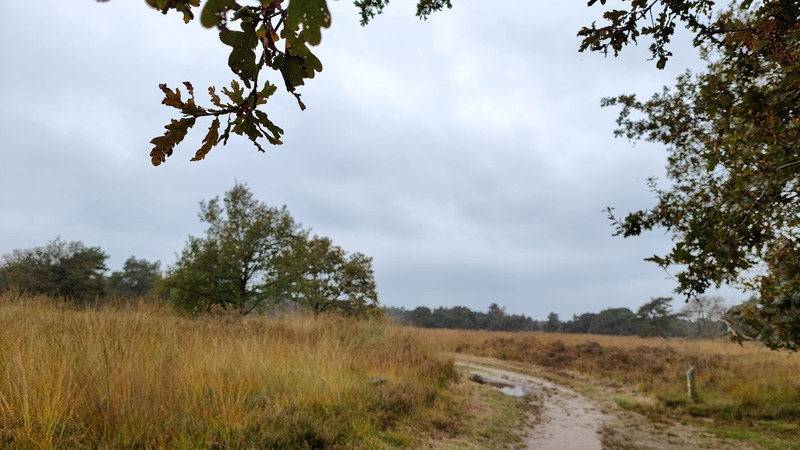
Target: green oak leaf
pixel 292 68
pixel 275 132
pixel 267 92
pixel 214 11
pixel 242 59
pixel 181 6
pixel 312 14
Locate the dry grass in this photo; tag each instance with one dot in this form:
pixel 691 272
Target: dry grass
pixel 147 378
pixel 747 384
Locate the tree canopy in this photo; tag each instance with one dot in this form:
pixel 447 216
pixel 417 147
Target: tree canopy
pixel 732 202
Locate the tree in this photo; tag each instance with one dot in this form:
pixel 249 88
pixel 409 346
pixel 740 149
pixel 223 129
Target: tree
pixel 656 20
pixel 496 317
pixel 655 318
pixel 325 278
pixel 137 278
pixel 579 324
pixel 732 204
pixel 553 324
pixel 62 269
pixel 613 321
pixel 706 314
pixel 456 318
pixel 421 317
pixel 254 256
pixel 237 264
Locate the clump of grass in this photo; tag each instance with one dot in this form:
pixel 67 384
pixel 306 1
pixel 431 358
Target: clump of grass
pixel 147 378
pixel 493 420
pixel 477 378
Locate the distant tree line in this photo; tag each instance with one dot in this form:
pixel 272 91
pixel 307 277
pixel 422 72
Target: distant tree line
pixel 700 318
pixel 74 272
pixel 252 258
pixel 462 318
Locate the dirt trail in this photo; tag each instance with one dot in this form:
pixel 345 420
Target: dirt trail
pixel 566 420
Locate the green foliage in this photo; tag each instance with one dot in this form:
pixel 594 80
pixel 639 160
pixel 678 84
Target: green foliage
pixel 67 270
pixel 254 35
pixel 496 319
pixel 138 278
pixel 254 256
pixel 732 205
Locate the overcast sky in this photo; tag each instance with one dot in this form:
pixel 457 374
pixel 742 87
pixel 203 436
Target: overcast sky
pixel 468 154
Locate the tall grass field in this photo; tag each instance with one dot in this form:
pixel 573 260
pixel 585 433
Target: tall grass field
pixel 144 377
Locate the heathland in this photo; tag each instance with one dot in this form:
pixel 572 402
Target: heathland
pixel 144 376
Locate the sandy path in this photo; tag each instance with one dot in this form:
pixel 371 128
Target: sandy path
pixel 570 421
pixel 567 420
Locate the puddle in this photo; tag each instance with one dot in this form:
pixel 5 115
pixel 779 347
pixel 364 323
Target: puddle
pixel 508 389
pixel 514 391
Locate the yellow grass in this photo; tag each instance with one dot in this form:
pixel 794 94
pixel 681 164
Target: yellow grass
pixel 148 378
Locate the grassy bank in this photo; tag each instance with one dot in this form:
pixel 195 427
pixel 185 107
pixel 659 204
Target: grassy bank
pixel 750 392
pixel 147 378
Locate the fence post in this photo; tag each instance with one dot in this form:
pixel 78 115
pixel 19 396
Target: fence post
pixel 690 383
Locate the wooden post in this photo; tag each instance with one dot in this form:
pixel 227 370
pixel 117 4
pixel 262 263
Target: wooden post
pixel 690 383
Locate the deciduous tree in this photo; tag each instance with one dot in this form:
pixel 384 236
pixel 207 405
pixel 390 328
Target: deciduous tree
pixel 732 202
pixel 237 264
pixel 324 278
